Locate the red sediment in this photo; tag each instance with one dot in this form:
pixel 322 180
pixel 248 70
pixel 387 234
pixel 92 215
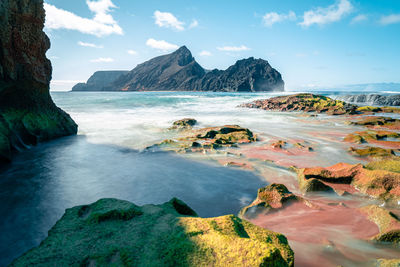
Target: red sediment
pixel 311 231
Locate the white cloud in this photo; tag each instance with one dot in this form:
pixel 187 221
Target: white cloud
pixel 359 18
pixel 102 60
pixel 390 19
pixel 132 52
pixel 271 18
pixel 205 53
pixel 233 48
pixel 102 24
pixel 332 13
pixel 194 24
pixel 89 45
pixel 161 45
pixel 168 20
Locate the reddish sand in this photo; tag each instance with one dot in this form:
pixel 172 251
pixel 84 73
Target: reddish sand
pixel 325 237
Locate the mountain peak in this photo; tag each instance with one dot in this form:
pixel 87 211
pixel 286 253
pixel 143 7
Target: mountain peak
pixel 183 55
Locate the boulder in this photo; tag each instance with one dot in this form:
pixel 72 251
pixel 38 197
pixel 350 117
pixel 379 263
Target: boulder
pixel 270 198
pixel 186 123
pixel 113 232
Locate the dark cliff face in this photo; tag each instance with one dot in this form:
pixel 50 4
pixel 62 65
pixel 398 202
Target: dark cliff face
pixel 27 112
pixel 164 73
pixel 179 71
pixel 99 80
pixel 247 75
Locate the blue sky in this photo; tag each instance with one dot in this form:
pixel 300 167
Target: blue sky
pixel 313 43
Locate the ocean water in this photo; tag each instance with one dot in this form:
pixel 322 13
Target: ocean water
pixel 108 159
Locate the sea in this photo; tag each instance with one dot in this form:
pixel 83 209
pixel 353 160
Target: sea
pixel 108 159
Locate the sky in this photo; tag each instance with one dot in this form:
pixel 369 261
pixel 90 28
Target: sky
pixel 312 43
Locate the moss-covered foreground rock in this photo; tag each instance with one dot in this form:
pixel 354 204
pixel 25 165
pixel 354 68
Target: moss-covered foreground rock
pixel 304 102
pixel 113 232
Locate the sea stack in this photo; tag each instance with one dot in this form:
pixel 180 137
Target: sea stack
pixel 27 112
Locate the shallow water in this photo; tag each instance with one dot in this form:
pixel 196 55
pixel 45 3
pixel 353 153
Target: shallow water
pixel 105 160
pixel 41 183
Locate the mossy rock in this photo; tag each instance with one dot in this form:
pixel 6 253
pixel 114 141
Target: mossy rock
pixel 183 124
pixel 113 232
pixel 372 152
pixel 387 222
pixel 20 129
pixel 305 102
pixel 388 263
pixel 392 165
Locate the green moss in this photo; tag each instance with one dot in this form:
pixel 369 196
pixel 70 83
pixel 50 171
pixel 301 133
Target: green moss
pixel 159 236
pixel 369 109
pixel 392 165
pixel 372 152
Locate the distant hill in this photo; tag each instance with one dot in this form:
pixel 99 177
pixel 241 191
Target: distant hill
pixel 99 80
pixel 179 71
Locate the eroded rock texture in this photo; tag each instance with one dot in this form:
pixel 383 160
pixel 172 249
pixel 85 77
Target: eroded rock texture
pixel 27 112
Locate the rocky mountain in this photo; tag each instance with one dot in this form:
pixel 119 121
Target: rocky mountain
pixel 27 112
pixel 179 71
pixel 99 80
pixel 372 99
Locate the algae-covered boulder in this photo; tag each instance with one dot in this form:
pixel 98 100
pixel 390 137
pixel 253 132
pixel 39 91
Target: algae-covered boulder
pixel 186 123
pixel 371 151
pixel 113 232
pixel 209 138
pixel 304 102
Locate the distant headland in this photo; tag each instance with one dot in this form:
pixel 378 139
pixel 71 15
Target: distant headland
pixel 179 71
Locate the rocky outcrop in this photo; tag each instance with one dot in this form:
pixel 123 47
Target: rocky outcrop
pixel 372 99
pixel 304 102
pixel 373 180
pixel 270 198
pixel 27 112
pixel 387 222
pixel 183 124
pixel 113 232
pixel 99 80
pixel 179 71
pixel 206 139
